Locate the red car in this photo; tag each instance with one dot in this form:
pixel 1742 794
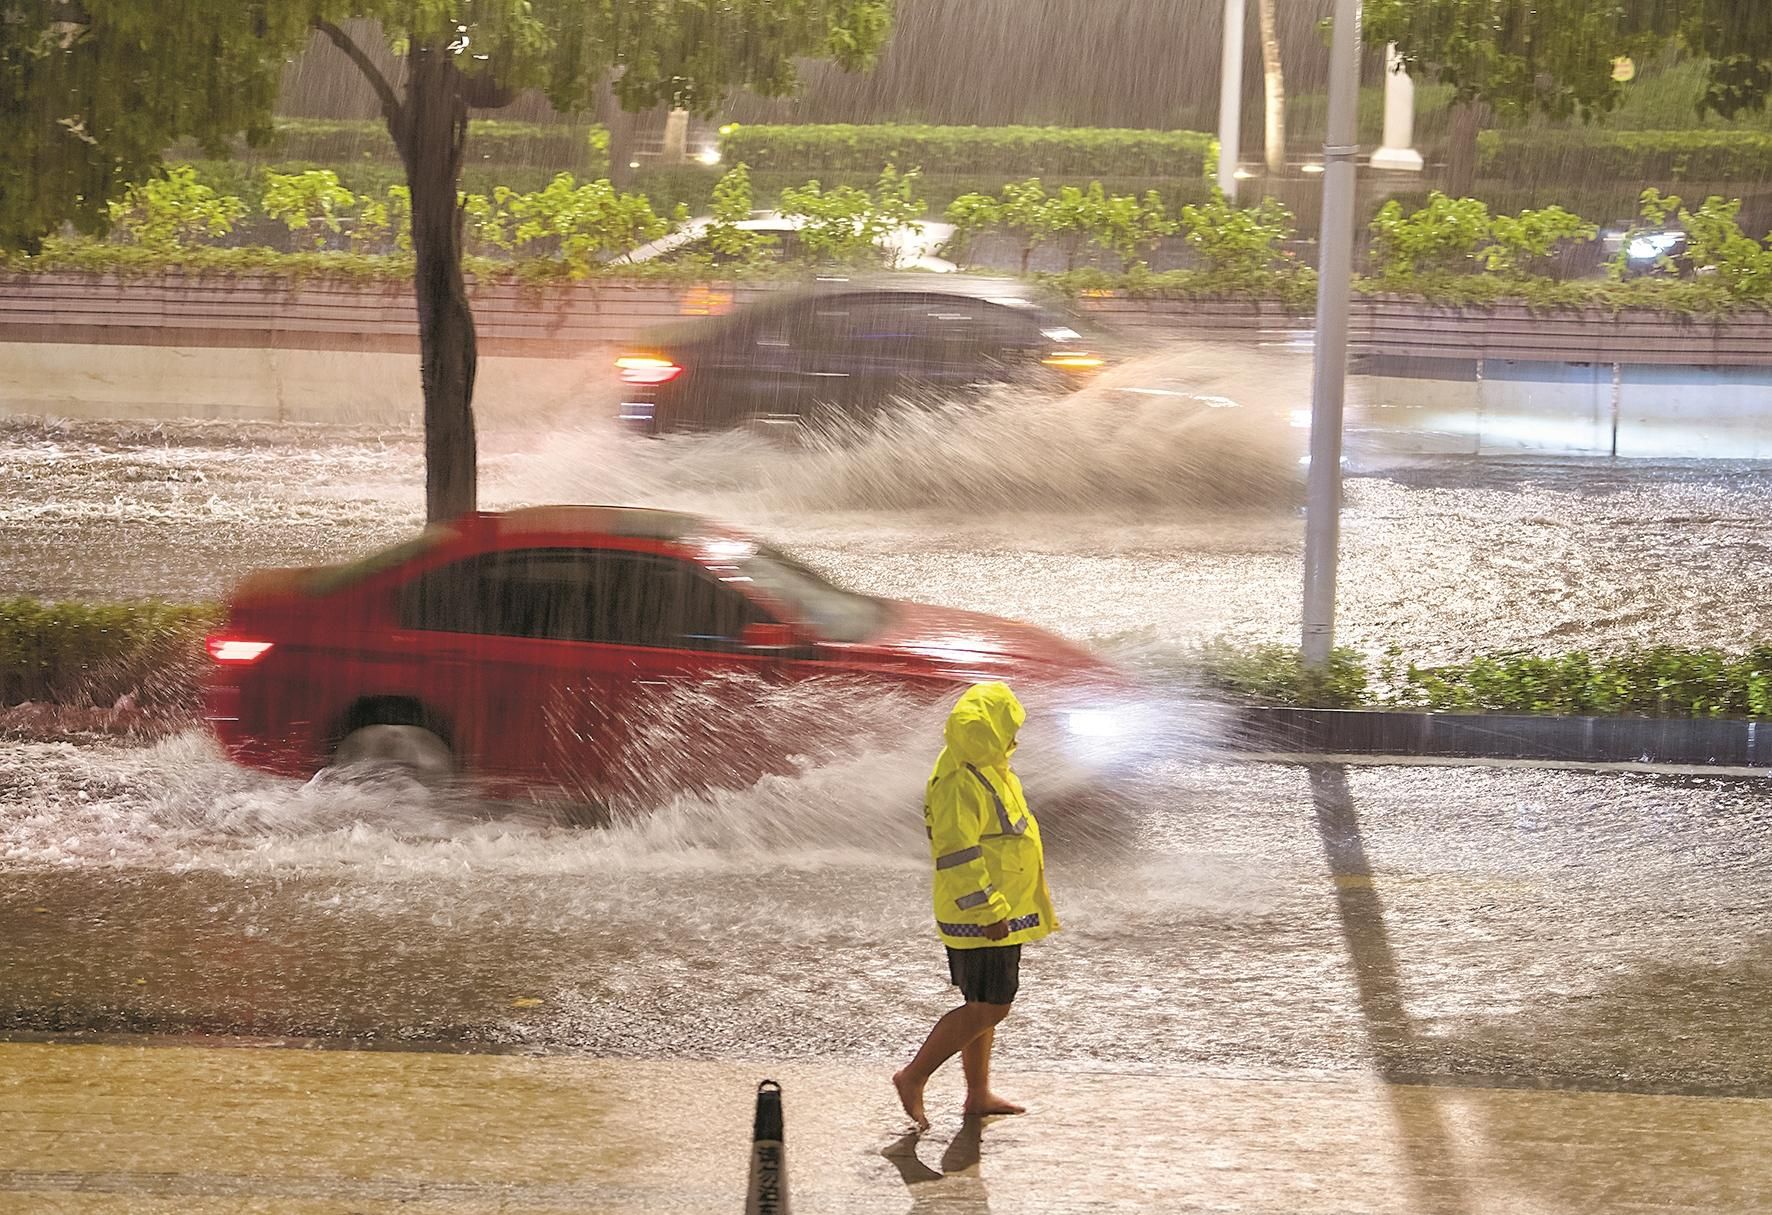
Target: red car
pixel 594 649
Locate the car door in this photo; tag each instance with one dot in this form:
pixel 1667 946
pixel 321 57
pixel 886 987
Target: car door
pixel 697 702
pixel 500 636
pixel 750 370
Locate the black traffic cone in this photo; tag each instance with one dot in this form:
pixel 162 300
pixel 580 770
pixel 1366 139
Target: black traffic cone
pixel 769 1175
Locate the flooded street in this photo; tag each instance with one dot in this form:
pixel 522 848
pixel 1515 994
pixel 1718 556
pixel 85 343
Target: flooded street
pixel 1461 929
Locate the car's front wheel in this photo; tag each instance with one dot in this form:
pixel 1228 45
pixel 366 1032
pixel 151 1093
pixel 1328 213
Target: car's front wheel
pixel 412 750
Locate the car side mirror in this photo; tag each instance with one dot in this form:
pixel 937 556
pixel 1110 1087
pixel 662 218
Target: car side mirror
pixel 768 635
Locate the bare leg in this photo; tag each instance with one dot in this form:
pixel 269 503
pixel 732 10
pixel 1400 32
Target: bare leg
pixel 975 1057
pixel 947 1039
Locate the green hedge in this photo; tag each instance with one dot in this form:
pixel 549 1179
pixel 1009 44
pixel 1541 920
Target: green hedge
pixel 1008 152
pixel 93 653
pixel 580 148
pixel 81 653
pixel 1642 157
pixel 1663 681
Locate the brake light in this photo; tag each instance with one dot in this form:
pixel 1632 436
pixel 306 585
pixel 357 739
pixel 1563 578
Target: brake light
pixel 1073 360
pixel 235 651
pixel 647 369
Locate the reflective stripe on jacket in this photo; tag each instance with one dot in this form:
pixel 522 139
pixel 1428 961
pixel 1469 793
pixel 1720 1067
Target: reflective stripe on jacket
pixel 983 838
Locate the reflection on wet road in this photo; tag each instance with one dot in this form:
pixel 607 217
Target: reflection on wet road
pixel 1595 931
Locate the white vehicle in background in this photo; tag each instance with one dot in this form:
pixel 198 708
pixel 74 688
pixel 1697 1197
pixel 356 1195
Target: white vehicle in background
pixel 912 247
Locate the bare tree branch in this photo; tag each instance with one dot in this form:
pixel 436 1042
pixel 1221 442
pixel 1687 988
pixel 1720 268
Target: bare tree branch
pixel 390 103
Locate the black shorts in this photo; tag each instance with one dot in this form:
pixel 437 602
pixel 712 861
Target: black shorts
pixel 987 975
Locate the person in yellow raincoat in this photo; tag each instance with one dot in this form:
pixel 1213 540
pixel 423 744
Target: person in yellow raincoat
pixel 991 895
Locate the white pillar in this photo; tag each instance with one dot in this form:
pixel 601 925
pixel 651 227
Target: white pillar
pixel 1230 97
pixel 676 138
pixel 1399 118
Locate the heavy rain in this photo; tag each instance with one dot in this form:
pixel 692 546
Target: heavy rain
pixel 500 514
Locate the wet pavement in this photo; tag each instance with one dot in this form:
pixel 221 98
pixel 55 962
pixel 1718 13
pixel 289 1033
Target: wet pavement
pixel 1511 927
pixel 106 1129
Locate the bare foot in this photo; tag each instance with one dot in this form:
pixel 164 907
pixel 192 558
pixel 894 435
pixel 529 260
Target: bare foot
pixel 910 1095
pixel 991 1105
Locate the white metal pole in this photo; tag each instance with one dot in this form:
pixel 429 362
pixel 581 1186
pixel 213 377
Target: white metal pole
pixel 1230 97
pixel 1322 525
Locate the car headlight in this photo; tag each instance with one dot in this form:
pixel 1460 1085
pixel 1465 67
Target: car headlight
pixel 1094 723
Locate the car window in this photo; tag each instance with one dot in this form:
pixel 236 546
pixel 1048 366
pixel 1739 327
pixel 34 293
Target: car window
pixel 661 601
pixel 590 595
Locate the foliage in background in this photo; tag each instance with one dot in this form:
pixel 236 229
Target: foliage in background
pixel 94 653
pixel 574 147
pixel 1447 251
pixel 1661 681
pixel 311 204
pixel 846 225
pixel 728 243
pixel 1631 156
pixel 1074 219
pixel 1031 151
pixel 174 212
pixel 92 94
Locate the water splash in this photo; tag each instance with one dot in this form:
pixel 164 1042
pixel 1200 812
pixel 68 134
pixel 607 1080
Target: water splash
pixel 1195 428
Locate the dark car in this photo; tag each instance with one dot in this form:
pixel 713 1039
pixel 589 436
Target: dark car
pixel 808 357
pixel 594 649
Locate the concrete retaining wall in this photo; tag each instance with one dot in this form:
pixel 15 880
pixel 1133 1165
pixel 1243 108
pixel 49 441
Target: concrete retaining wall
pixel 265 384
pixel 1496 380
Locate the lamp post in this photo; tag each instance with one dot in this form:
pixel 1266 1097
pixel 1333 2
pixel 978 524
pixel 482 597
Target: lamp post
pixel 1230 97
pixel 1322 520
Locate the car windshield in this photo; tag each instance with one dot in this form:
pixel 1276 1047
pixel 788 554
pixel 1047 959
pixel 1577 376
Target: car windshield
pixel 832 612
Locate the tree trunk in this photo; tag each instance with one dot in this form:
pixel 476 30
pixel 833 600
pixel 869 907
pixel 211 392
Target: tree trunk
pixel 431 130
pixel 1274 82
pixel 1468 119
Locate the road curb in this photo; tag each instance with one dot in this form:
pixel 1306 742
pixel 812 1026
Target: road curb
pixel 1674 741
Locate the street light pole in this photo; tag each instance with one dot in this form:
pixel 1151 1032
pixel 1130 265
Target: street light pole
pixel 1322 519
pixel 1230 98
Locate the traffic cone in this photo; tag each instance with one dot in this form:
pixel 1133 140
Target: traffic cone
pixel 769 1174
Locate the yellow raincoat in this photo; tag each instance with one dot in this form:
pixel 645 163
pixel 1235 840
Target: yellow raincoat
pixel 989 865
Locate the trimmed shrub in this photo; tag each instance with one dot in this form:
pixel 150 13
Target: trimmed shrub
pixel 982 151
pixel 1634 156
pixel 335 143
pixel 1663 681
pixel 95 653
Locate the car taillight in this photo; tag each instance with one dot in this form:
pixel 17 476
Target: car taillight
pixel 647 369
pixel 1074 360
pixel 235 651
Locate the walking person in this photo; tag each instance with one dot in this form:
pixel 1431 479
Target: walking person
pixel 991 896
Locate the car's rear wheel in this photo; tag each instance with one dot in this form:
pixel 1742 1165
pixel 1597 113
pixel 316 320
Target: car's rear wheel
pixel 412 750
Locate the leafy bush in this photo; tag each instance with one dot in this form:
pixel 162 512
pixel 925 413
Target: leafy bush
pixel 1239 242
pixel 1637 156
pixel 1446 234
pixel 1040 151
pixel 1663 681
pixel 309 204
pixel 174 211
pixel 1276 674
pixel 78 653
pixel 847 225
pixel 577 224
pixel 1524 244
pixel 1074 219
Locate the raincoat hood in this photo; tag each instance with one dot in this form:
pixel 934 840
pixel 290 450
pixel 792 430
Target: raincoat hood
pixel 981 729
